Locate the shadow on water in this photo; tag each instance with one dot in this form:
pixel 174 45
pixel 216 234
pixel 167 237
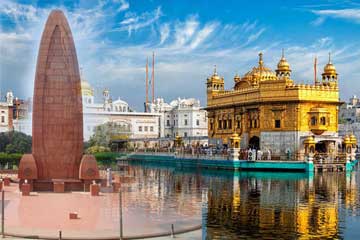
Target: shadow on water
pixel 263 205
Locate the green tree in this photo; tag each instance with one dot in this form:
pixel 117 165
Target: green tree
pixel 15 142
pixel 107 132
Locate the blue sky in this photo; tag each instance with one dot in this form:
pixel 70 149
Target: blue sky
pixel 114 37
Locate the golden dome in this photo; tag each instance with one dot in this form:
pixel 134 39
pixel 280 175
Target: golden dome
pixel 234 135
pixel 215 76
pixel 347 139
pixel 283 64
pixel 309 140
pixel 353 139
pixel 329 68
pixel 237 78
pixel 86 88
pixel 259 73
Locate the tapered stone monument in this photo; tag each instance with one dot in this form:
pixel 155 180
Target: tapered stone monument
pixel 57 145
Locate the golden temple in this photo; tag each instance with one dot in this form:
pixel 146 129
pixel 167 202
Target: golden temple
pixel 270 111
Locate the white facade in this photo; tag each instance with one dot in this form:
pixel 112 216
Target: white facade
pixel 4 117
pixel 135 125
pixel 183 117
pixel 349 117
pixel 350 112
pixel 6 121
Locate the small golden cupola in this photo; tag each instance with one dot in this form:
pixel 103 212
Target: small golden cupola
pixel 283 67
pixel 237 78
pixel 330 75
pixel 215 82
pixel 259 73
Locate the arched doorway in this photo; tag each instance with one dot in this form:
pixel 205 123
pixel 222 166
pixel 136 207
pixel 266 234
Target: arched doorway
pixel 254 142
pixel 320 147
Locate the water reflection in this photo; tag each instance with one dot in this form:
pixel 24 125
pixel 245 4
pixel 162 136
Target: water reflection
pixel 257 205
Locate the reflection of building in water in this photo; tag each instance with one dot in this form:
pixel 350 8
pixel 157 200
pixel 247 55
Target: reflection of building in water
pixel 269 111
pixel 351 191
pixel 278 208
pixel 167 189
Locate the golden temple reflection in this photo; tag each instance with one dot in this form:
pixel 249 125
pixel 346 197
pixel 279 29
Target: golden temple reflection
pixel 300 208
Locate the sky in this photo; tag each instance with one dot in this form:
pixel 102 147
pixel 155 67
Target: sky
pixel 113 39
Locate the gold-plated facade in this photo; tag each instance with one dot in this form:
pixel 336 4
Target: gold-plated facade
pixel 270 111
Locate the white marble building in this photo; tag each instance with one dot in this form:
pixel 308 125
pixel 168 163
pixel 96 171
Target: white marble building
pixel 6 113
pixel 350 111
pixel 183 117
pixel 349 117
pixel 134 125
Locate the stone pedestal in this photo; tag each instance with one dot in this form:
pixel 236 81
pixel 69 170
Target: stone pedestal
pixel 88 168
pixel 6 181
pixel 59 187
pixel 25 189
pixel 234 153
pixel 94 189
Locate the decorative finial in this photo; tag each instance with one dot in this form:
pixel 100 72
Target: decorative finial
pixel 329 57
pixel 261 59
pixel 215 72
pixel 282 53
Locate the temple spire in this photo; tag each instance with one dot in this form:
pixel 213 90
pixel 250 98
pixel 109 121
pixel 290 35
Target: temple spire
pixel 315 71
pixel 261 62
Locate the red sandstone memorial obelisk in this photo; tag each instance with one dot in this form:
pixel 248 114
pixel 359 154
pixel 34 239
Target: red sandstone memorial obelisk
pixel 57 162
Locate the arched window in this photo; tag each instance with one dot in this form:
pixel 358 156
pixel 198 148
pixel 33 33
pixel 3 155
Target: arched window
pixel 313 121
pixel 124 109
pixel 323 121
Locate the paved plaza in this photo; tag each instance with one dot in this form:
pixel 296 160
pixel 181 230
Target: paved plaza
pixel 44 214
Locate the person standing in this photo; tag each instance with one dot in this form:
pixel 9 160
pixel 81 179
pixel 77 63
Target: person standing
pixel 269 155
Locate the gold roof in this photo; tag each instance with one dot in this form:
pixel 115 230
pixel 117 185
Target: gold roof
pixel 86 88
pixel 283 64
pixel 237 78
pixel 353 139
pixel 329 68
pixel 215 76
pixel 347 139
pixel 259 73
pixel 309 140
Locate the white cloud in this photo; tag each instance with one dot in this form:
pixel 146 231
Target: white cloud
pixel 18 12
pixel 351 14
pixel 124 5
pixel 324 42
pixel 254 36
pixel 248 26
pixel 134 22
pixel 164 32
pixel 203 34
pixel 184 31
pixel 185 52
